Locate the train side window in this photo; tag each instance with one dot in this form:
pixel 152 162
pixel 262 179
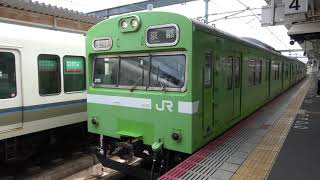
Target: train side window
pixel 284 70
pixel 276 70
pixel 49 74
pixel 267 70
pixel 229 72
pixel 273 71
pixel 251 72
pixel 74 73
pixel 236 67
pixel 8 87
pixel 292 69
pixel 258 73
pixel 207 69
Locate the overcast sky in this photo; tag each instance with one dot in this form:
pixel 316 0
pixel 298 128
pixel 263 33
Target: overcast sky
pixel 243 27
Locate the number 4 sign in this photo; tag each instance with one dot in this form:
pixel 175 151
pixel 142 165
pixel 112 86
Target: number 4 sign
pixel 296 6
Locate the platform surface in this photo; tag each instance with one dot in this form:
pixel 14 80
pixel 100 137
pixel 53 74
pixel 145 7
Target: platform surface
pixel 300 155
pixel 247 151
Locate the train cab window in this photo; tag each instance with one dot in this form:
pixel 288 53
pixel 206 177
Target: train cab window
pixel 106 71
pixel 8 88
pixel 74 73
pixel 140 72
pixel 207 69
pixel 167 71
pixel 49 74
pixel 134 71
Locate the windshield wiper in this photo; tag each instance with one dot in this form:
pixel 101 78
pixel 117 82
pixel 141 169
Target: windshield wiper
pixel 163 86
pixel 135 84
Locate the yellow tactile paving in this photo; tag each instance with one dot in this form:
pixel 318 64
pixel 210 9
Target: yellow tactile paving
pixel 259 162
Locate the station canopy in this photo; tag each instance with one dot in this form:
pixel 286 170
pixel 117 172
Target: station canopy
pixel 27 12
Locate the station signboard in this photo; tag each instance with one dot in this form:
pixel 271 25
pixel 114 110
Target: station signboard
pixel 296 6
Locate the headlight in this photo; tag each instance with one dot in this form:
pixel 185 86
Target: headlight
pixel 134 23
pixel 129 24
pixel 124 24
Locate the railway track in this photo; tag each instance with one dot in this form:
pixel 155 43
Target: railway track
pixel 53 161
pixel 79 165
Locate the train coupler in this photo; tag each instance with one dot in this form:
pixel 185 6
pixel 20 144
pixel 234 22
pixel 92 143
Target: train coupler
pixel 130 168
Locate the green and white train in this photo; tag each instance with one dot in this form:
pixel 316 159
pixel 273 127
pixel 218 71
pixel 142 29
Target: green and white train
pixel 161 82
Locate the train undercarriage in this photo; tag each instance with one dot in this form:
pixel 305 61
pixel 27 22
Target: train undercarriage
pixel 131 157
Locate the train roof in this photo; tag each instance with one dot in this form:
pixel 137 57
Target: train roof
pixel 256 41
pixel 248 41
pixel 20 36
pixel 187 21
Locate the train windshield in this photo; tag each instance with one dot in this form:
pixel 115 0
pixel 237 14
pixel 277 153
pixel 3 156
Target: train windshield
pixel 136 72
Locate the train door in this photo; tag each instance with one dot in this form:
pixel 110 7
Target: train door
pixel 227 91
pixel 10 90
pixel 207 100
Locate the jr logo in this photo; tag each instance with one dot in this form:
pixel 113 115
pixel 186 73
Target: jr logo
pixel 165 104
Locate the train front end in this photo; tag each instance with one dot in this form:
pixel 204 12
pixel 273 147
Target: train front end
pixel 139 90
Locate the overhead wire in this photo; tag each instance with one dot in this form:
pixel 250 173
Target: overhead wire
pixel 226 17
pixel 228 12
pixel 251 20
pixel 265 27
pixel 236 17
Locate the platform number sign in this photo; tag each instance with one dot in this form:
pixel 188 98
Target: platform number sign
pixel 296 6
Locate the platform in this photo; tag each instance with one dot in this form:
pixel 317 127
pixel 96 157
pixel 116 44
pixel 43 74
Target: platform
pixel 300 154
pixel 249 150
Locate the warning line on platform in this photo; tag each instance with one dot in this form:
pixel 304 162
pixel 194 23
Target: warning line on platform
pixel 248 150
pixel 261 159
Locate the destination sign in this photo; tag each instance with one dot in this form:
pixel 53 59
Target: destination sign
pixel 73 65
pixel 102 43
pixel 165 35
pixel 48 65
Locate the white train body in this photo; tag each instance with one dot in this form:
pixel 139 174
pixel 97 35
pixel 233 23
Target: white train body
pixel 24 109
